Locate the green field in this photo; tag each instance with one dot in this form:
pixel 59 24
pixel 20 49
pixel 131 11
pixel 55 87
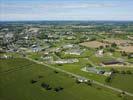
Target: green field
pixel 76 68
pixel 123 81
pixel 15 84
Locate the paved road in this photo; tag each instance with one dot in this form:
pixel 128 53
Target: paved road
pixel 78 76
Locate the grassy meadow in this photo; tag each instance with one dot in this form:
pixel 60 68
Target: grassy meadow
pixel 16 84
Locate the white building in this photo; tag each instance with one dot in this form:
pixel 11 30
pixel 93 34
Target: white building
pixel 68 46
pixel 65 61
pixel 74 52
pixel 99 53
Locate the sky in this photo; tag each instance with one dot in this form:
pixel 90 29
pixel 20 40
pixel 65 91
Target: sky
pixel 19 10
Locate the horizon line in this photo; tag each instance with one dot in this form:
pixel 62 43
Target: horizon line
pixel 57 20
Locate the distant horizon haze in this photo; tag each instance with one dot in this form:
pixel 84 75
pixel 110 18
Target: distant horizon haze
pixel 65 10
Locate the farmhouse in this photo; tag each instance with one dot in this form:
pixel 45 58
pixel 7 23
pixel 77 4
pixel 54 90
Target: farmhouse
pixel 112 62
pixel 116 63
pixel 65 61
pixel 96 71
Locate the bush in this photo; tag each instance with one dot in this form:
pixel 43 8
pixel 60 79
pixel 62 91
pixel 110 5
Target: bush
pixel 101 47
pixel 130 56
pixel 108 79
pixel 123 72
pixel 33 81
pixel 98 88
pixel 89 83
pixel 36 58
pixel 114 70
pixel 112 50
pixel 119 95
pixel 57 89
pixel 129 72
pixel 40 76
pixel 46 86
pixel 56 72
pixel 78 82
pixel 114 45
pixel 123 53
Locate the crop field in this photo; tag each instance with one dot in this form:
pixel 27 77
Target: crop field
pixel 10 65
pixel 127 49
pixel 93 44
pixel 117 41
pixel 123 81
pixel 28 81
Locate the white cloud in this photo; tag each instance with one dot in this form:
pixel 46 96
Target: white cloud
pixel 63 10
pixel 64 16
pixel 57 5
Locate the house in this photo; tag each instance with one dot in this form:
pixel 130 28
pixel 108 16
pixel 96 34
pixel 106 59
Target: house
pixel 81 80
pixel 93 70
pixel 35 48
pixel 73 52
pixel 5 56
pixel 26 37
pixel 96 71
pixel 71 38
pixel 65 61
pixel 68 46
pixel 9 35
pixel 50 58
pixel 107 73
pixel 113 62
pixel 99 53
pixel 46 53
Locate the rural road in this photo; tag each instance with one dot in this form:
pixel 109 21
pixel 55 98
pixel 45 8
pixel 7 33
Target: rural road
pixel 78 76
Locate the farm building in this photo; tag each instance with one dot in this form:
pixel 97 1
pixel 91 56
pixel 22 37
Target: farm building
pixel 65 61
pixel 68 46
pixel 113 62
pixel 96 71
pixel 73 52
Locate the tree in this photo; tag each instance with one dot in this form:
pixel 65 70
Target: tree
pixel 101 47
pixel 89 83
pixel 114 45
pixel 114 70
pixel 123 72
pixel 56 72
pixel 108 79
pixel 129 72
pixel 112 50
pixel 130 56
pixel 107 46
pixel 33 81
pixel 124 53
